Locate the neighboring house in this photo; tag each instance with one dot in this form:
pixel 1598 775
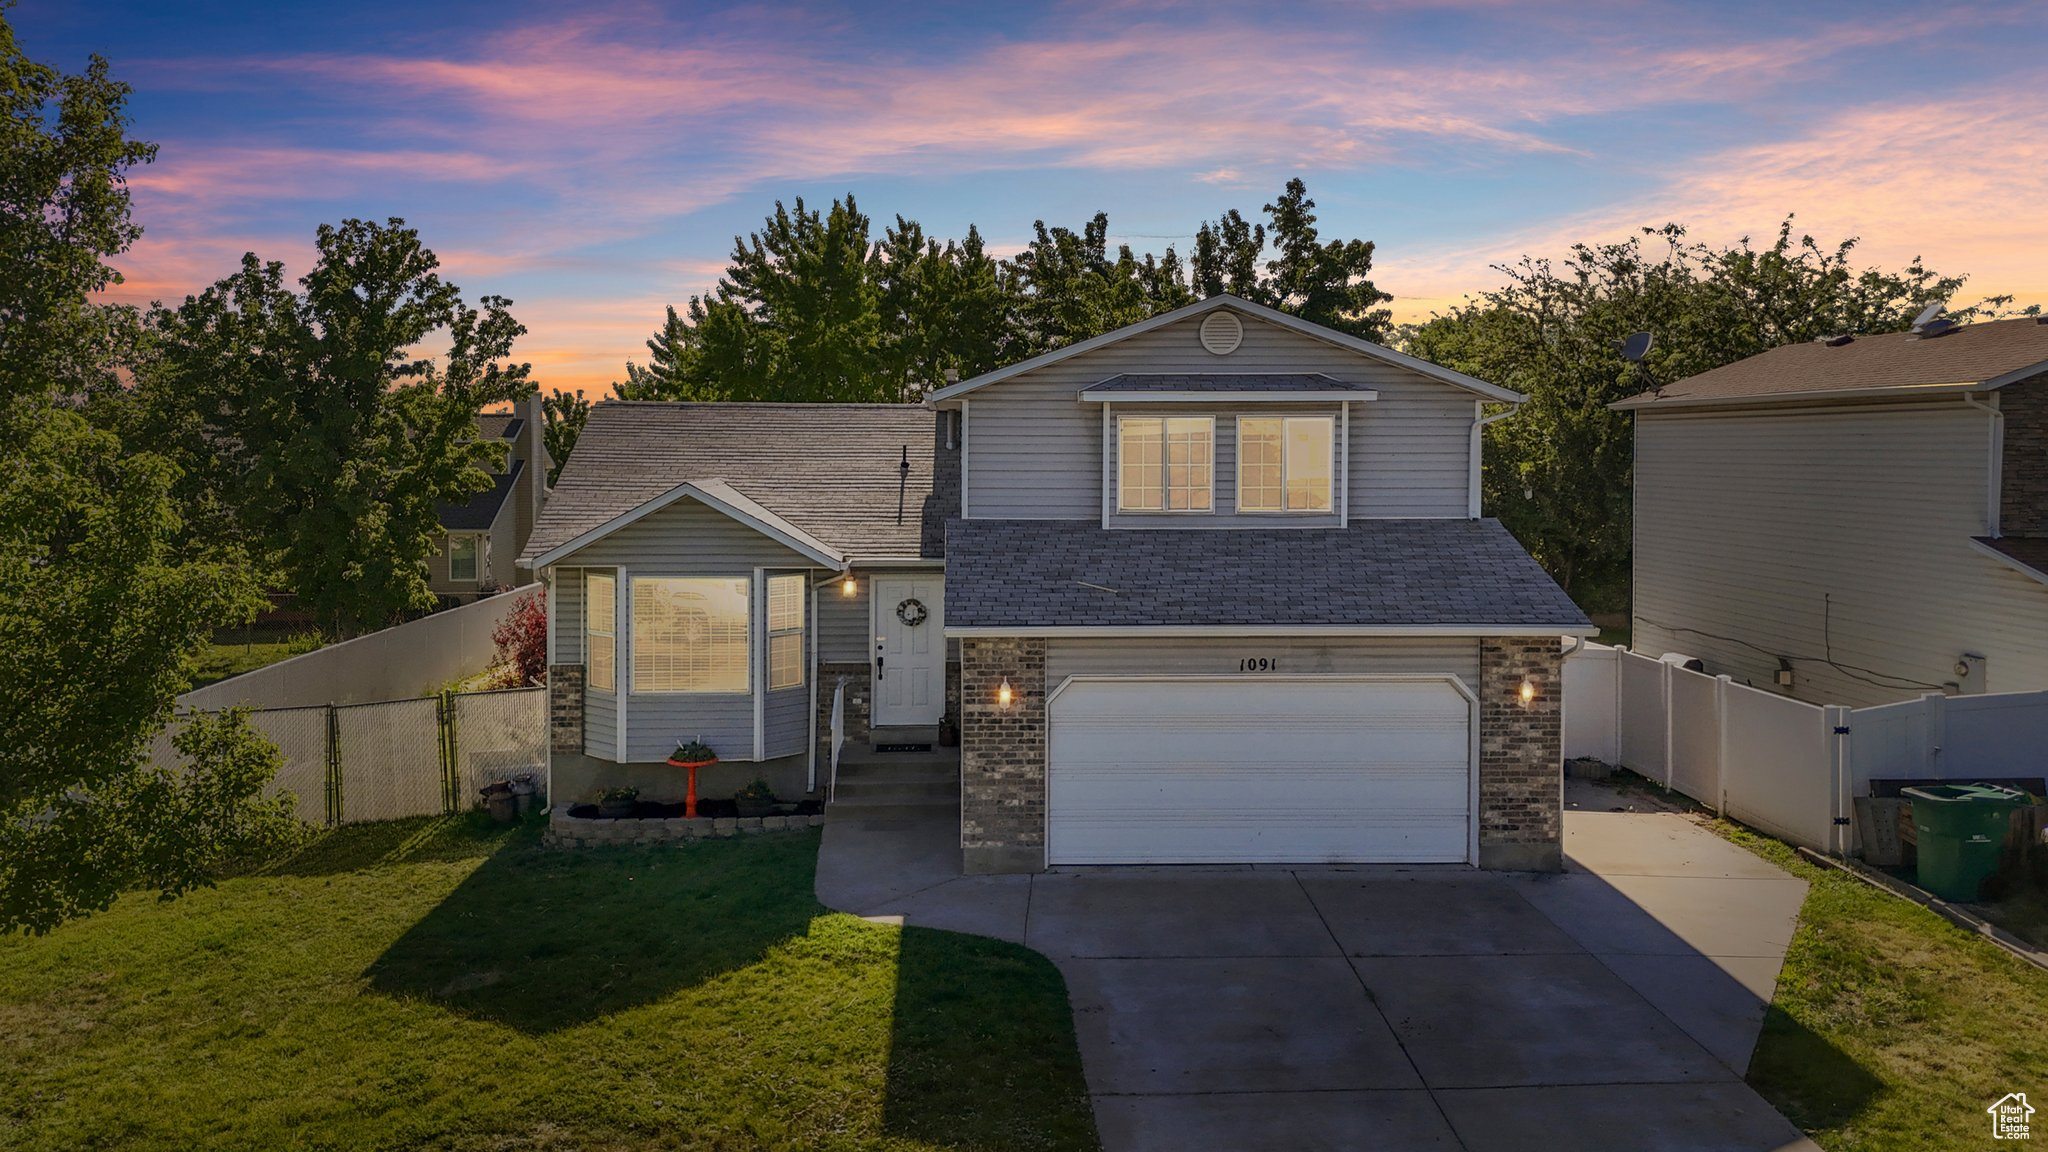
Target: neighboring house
pixel 486 533
pixel 1867 519
pixel 1210 588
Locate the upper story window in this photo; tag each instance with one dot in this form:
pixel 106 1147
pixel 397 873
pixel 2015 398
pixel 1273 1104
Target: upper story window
pixel 690 635
pixel 1166 464
pixel 786 631
pixel 600 631
pixel 1285 463
pixel 462 556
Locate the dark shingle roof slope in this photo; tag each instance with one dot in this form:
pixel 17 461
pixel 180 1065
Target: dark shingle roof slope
pixel 2028 552
pixel 830 469
pixel 1022 574
pixel 1244 382
pixel 500 425
pixel 1972 354
pixel 477 513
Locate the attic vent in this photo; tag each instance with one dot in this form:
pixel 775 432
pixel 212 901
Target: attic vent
pixel 1838 341
pixel 1222 332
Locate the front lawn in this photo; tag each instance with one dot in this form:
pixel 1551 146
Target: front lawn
pixel 439 984
pixel 1892 1029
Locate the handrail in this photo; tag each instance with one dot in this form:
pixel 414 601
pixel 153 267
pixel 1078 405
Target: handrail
pixel 838 736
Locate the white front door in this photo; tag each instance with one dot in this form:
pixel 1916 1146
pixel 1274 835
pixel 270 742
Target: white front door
pixel 1268 769
pixel 910 649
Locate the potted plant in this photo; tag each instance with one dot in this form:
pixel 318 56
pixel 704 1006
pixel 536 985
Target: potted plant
pixel 692 754
pixel 616 803
pixel 756 799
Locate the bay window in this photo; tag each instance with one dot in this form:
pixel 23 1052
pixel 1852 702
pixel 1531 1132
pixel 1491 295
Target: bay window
pixel 786 631
pixel 600 631
pixel 691 634
pixel 1165 464
pixel 1285 463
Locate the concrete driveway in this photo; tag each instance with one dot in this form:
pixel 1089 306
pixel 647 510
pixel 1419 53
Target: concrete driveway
pixel 1613 1006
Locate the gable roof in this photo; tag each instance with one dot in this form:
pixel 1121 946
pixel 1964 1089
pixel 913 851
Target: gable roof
pixel 1973 358
pixel 719 497
pixel 480 511
pixel 1043 577
pixel 1256 311
pixel 828 471
pixel 500 425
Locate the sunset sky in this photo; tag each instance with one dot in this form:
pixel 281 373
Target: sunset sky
pixel 594 161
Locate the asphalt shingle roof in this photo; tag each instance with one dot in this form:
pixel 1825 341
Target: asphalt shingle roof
pixel 1971 354
pixel 832 470
pixel 500 425
pixel 1245 382
pixel 1015 574
pixel 476 514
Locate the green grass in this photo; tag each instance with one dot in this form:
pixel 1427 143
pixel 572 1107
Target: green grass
pixel 440 984
pixel 234 651
pixel 1892 1029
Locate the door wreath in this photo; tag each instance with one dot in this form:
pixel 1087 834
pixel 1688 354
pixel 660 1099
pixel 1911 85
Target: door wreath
pixel 912 612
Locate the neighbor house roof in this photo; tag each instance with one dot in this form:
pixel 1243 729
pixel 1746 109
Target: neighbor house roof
pixel 1258 312
pixel 1042 577
pixel 830 471
pixel 1974 357
pixel 500 425
pixel 481 510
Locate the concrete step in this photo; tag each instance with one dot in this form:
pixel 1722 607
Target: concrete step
pixel 862 759
pixel 896 771
pixel 841 810
pixel 946 790
pixel 905 734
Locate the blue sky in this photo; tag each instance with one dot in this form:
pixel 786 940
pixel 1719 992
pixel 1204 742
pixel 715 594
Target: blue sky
pixel 594 161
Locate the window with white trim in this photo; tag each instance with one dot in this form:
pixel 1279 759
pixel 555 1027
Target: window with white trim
pixel 462 556
pixel 691 634
pixel 786 631
pixel 600 631
pixel 1165 464
pixel 1285 463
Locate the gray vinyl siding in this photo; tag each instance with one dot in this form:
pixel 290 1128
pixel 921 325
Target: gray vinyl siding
pixel 567 624
pixel 843 623
pixel 1200 656
pixel 1847 528
pixel 601 725
pixel 688 539
pixel 1035 452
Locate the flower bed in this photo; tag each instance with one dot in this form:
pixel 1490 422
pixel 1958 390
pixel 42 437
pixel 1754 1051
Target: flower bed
pixel 581 827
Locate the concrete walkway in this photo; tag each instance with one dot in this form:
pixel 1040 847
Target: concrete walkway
pixel 1611 1007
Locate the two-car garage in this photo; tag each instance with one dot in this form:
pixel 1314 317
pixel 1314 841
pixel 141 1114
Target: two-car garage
pixel 1260 768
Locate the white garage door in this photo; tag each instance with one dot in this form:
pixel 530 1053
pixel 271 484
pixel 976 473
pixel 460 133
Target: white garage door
pixel 1265 769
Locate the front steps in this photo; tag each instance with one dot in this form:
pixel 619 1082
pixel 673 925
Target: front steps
pixel 895 785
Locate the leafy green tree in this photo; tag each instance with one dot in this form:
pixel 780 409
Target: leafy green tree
pixel 1558 473
pixel 670 366
pixel 334 436
pixel 1068 287
pixel 1227 259
pixel 565 414
pixel 944 307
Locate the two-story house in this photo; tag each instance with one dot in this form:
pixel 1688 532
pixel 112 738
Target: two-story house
pixel 483 536
pixel 1210 588
pixel 1852 521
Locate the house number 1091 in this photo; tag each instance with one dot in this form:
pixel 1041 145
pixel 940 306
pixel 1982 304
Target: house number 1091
pixel 1258 664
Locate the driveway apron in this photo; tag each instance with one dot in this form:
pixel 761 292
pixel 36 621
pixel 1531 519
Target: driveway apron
pixel 1613 1006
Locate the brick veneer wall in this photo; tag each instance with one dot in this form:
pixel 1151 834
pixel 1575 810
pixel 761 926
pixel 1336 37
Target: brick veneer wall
pixel 2023 487
pixel 859 689
pixel 1002 756
pixel 565 707
pixel 1521 754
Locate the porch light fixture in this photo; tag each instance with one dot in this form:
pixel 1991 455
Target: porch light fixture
pixel 848 586
pixel 1003 694
pixel 1527 693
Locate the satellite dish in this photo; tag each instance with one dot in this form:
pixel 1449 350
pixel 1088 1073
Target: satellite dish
pixel 1636 347
pixel 1927 315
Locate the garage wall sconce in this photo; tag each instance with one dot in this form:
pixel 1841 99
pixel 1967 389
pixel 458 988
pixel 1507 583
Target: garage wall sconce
pixel 1526 693
pixel 1004 695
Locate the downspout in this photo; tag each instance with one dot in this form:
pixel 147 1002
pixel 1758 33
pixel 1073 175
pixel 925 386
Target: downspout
pixel 1994 469
pixel 1479 421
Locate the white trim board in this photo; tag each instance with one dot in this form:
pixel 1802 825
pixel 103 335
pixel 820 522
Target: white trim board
pixel 720 497
pixel 2016 565
pixel 1256 311
pixel 1266 397
pixel 1277 630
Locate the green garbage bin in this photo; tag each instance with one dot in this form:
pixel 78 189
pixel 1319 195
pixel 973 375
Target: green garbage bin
pixel 1962 828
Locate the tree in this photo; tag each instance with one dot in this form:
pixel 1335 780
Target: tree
pixel 1324 283
pixel 1068 287
pixel 101 612
pixel 565 414
pixel 670 364
pixel 1558 473
pixel 521 639
pixel 334 437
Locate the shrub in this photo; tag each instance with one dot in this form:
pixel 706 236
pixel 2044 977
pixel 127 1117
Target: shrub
pixel 522 640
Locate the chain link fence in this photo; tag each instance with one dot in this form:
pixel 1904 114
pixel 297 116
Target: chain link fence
pixel 353 763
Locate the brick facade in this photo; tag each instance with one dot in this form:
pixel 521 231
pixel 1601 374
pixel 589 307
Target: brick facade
pixel 1521 754
pixel 565 707
pixel 1002 756
pixel 2023 487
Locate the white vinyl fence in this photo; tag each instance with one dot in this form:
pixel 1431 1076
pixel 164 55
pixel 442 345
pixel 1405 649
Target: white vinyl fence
pixel 424 756
pixel 1778 764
